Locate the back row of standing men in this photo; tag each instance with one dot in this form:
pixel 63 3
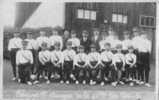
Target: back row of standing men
pixel 139 42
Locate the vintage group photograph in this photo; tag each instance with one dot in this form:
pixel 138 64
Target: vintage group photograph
pixel 79 46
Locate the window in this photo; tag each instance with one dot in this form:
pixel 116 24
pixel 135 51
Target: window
pixel 147 21
pixel 86 14
pixel 119 18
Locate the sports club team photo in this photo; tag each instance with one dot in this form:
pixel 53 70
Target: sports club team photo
pixel 99 50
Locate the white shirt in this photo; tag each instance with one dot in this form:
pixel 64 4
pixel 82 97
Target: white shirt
pixel 126 43
pixel 145 45
pixel 101 44
pixel 93 56
pixel 68 55
pixel 80 57
pixel 57 56
pixel 42 39
pixel 118 57
pixel 24 56
pixel 44 56
pixel 136 42
pixel 130 58
pixel 15 43
pixel 32 44
pixel 96 37
pixel 106 56
pixel 56 38
pixel 142 44
pixel 75 42
pixel 113 41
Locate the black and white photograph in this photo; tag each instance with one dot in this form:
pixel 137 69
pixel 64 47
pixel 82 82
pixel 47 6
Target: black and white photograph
pixel 79 50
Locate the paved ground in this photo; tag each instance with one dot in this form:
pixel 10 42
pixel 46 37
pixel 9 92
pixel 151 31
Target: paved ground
pixel 12 88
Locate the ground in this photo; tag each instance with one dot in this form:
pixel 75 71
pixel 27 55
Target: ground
pixel 12 88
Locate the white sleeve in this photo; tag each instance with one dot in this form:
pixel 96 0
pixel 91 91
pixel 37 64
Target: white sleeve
pixel 10 45
pixel 134 59
pixel 61 42
pixel 114 60
pixel 17 58
pixel 61 58
pixel 99 58
pixel 63 53
pixel 101 45
pixel 31 57
pixel 51 57
pixel 78 42
pixel 35 45
pixel 40 59
pixel 75 60
pixel 149 46
pixel 38 43
pixel 48 42
pixel 123 57
pixel 20 43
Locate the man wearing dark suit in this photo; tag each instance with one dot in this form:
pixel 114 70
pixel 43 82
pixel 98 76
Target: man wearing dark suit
pixel 85 41
pixel 96 38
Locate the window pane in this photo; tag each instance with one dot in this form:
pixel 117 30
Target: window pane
pixel 114 18
pixel 93 15
pixel 87 14
pixel 120 18
pixel 125 19
pixel 80 14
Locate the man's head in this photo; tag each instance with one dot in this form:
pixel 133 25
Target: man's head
pixel 80 49
pixel 96 31
pixel 73 34
pixel 44 46
pixel 85 33
pixel 42 33
pixel 69 45
pixel 107 46
pixel 126 34
pixel 66 34
pixel 16 34
pixel 111 32
pixel 24 44
pixel 57 45
pixel 93 48
pixel 55 32
pixel 119 48
pixel 136 31
pixel 131 49
pixel 29 35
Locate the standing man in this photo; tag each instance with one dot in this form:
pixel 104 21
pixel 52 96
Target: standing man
pixel 74 40
pixel 144 51
pixel 66 36
pixel 33 48
pixel 113 39
pixel 136 42
pixel 126 41
pixel 103 41
pixel 96 38
pixel 41 39
pixel 24 61
pixel 14 45
pixel 55 38
pixel 85 41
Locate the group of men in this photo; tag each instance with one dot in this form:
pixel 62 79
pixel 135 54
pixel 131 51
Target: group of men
pixel 101 59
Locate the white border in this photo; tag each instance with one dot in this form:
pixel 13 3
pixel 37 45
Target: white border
pixel 157 33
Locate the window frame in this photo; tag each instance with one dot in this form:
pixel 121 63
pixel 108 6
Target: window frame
pixel 117 20
pixel 90 14
pixel 146 26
